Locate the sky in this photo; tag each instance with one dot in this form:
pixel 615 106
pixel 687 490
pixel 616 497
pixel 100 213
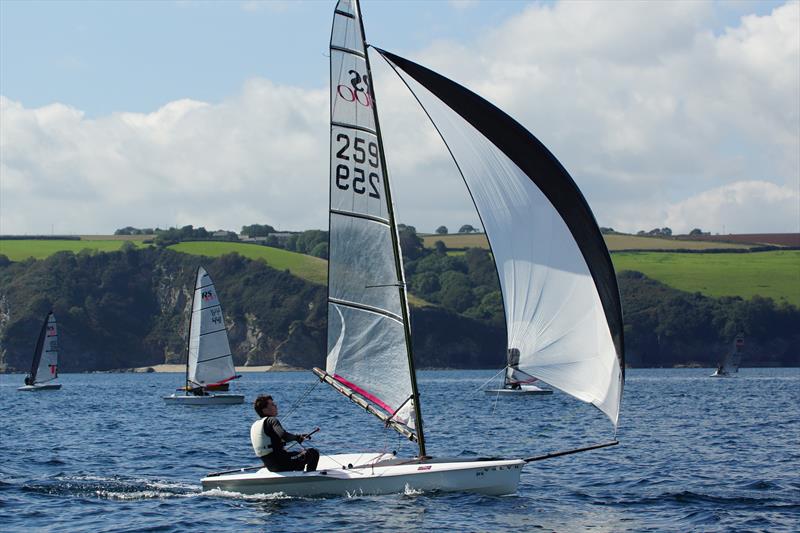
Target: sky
pixel 666 114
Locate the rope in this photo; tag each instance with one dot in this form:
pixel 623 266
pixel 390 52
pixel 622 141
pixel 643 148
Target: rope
pixel 479 389
pixel 297 403
pixel 497 397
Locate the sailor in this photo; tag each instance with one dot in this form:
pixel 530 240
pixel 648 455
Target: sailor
pixel 268 438
pixel 28 380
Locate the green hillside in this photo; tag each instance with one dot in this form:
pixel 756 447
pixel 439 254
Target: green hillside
pixel 614 242
pixel 770 274
pixel 20 250
pixel 310 268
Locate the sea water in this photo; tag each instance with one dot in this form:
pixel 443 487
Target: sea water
pixel 105 453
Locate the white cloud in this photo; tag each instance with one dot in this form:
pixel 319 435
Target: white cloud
pixel 258 157
pixel 641 102
pixel 741 207
pixel 660 120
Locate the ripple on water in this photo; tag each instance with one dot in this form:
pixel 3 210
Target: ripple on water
pixel 696 454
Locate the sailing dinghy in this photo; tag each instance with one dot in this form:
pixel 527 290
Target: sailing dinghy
pixel 517 382
pixel 209 362
pixel 44 368
pixel 730 363
pixel 560 293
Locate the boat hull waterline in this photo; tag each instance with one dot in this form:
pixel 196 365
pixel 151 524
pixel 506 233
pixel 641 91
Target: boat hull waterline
pixel 521 392
pixel 211 399
pixel 36 388
pixel 492 477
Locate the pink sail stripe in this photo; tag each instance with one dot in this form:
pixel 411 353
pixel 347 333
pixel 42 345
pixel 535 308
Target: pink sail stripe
pixel 524 382
pixel 223 381
pixel 365 394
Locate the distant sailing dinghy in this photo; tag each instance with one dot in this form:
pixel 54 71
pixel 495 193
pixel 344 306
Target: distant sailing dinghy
pixel 209 362
pixel 517 382
pixel 729 366
pixel 45 359
pixel 562 303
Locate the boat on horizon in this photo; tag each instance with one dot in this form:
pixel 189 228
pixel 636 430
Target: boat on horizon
pixel 209 361
pixel 729 366
pixel 44 367
pixel 559 288
pixel 515 381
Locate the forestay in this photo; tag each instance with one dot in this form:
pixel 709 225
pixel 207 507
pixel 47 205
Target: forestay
pixel 210 361
pixel 45 358
pixel 559 288
pixel 367 312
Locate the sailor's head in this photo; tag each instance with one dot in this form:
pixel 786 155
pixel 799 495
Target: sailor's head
pixel 264 406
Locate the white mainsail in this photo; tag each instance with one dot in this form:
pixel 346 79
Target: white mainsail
pixel 368 331
pixel 45 360
pixel 558 285
pixel 210 361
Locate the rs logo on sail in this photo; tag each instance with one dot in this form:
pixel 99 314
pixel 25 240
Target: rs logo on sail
pixel 207 295
pixel 356 93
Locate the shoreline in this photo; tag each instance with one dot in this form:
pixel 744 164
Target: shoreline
pixel 181 368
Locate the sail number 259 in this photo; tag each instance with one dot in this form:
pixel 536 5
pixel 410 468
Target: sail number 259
pixel 363 181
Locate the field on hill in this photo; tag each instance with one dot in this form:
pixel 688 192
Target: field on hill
pixel 614 242
pixel 307 267
pixel 775 239
pixel 20 250
pixel 116 237
pixel 637 242
pixel 771 274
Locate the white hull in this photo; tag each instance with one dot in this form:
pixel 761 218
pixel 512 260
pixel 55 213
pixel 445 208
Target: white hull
pixel 210 399
pixel 723 374
pixel 45 386
pixel 377 474
pixel 525 390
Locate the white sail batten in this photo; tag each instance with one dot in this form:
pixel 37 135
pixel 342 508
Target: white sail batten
pixel 367 349
pixel 554 313
pixel 47 367
pixel 210 360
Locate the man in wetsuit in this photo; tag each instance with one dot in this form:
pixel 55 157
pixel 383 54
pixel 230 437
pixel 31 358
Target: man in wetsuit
pixel 268 438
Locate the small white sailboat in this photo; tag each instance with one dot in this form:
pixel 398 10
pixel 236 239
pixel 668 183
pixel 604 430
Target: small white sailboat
pixel 209 362
pixel 517 382
pixel 729 366
pixel 559 288
pixel 44 369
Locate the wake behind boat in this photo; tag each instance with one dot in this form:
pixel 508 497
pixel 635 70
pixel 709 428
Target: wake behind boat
pixel 209 362
pixel 44 368
pixel 558 285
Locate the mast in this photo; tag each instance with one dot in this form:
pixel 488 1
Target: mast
pixel 396 244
